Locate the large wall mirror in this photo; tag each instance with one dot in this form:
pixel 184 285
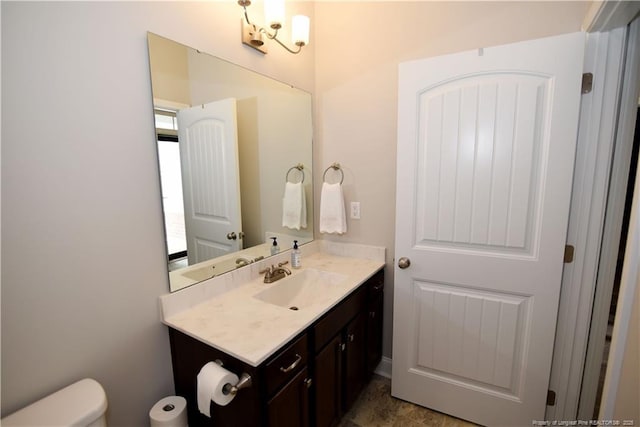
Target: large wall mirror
pixel 235 156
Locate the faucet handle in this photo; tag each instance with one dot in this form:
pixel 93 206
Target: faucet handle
pixel 267 270
pixel 280 264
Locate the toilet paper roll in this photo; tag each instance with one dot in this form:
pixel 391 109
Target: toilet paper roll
pixel 169 412
pixel 211 381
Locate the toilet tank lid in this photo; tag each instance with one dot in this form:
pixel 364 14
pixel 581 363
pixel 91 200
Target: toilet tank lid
pixel 80 403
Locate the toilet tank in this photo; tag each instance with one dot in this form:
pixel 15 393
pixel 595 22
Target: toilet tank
pixel 81 404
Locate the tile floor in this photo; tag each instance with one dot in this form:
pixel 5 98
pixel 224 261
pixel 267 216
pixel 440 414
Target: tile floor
pixel 376 408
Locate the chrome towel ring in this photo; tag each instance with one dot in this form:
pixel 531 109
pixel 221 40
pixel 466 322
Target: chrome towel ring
pixel 336 167
pixel 299 167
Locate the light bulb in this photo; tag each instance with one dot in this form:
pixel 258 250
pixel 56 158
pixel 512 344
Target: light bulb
pixel 274 13
pixel 300 30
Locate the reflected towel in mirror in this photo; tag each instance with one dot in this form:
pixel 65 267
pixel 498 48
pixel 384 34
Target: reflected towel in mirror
pixel 332 214
pixel 294 206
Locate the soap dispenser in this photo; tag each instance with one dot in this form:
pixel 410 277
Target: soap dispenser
pixel 274 248
pixel 295 255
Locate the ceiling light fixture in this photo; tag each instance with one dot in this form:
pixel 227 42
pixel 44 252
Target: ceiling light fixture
pixel 253 35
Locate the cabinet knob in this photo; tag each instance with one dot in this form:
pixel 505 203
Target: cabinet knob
pixel 372 314
pixel 351 337
pixel 342 346
pixel 308 382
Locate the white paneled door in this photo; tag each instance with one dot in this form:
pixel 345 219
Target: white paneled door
pixel 486 143
pixel 208 139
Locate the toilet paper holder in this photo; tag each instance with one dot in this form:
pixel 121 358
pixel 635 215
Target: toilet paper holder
pixel 243 382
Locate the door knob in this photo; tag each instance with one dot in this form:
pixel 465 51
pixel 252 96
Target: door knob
pixel 232 235
pixel 404 262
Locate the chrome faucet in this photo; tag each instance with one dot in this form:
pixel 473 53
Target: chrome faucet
pixel 273 273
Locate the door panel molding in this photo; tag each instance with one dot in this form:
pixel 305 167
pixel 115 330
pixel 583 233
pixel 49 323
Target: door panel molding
pixel 471 337
pixel 479 169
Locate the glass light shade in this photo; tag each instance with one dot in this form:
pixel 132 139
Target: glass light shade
pixel 274 13
pixel 300 30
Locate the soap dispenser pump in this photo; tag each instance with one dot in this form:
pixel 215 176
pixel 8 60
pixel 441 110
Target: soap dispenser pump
pixel 274 248
pixel 295 255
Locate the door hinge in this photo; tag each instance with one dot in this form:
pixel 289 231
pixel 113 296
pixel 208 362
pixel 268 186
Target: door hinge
pixel 587 82
pixel 551 398
pixel 568 254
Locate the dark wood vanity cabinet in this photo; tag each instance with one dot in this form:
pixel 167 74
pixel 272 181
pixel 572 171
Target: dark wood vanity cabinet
pixel 290 405
pixel 375 308
pixel 288 393
pixel 311 381
pixel 340 370
pixel 188 356
pixel 328 380
pixel 348 344
pixel 355 367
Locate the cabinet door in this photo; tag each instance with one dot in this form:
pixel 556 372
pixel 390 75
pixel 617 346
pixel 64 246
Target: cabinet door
pixel 355 369
pixel 328 368
pixel 290 406
pixel 374 333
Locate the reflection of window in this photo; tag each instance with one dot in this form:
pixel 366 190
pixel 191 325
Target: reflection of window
pixel 166 121
pixel 171 183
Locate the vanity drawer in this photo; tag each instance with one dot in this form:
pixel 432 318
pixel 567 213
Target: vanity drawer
pixel 286 364
pixel 334 321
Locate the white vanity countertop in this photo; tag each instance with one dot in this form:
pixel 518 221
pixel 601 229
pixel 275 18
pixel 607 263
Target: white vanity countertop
pixel 252 330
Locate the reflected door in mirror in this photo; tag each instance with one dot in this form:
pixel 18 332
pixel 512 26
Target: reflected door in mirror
pixel 209 157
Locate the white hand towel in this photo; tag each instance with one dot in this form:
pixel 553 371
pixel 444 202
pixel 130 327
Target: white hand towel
pixel 294 206
pixel 332 214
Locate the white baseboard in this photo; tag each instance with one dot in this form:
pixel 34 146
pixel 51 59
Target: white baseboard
pixel 384 367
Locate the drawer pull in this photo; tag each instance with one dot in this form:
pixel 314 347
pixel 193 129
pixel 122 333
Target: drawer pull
pixel 372 314
pixel 351 337
pixel 293 365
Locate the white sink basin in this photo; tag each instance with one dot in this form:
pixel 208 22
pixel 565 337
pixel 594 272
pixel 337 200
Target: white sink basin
pixel 200 274
pixel 308 287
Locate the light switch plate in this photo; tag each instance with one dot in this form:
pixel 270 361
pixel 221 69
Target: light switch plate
pixel 355 210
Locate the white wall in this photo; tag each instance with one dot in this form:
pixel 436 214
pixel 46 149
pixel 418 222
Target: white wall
pixel 358 48
pixel 82 242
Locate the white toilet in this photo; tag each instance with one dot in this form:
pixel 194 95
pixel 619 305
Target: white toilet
pixel 81 404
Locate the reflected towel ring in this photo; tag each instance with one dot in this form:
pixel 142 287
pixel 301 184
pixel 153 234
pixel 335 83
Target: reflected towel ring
pixel 299 167
pixel 335 166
